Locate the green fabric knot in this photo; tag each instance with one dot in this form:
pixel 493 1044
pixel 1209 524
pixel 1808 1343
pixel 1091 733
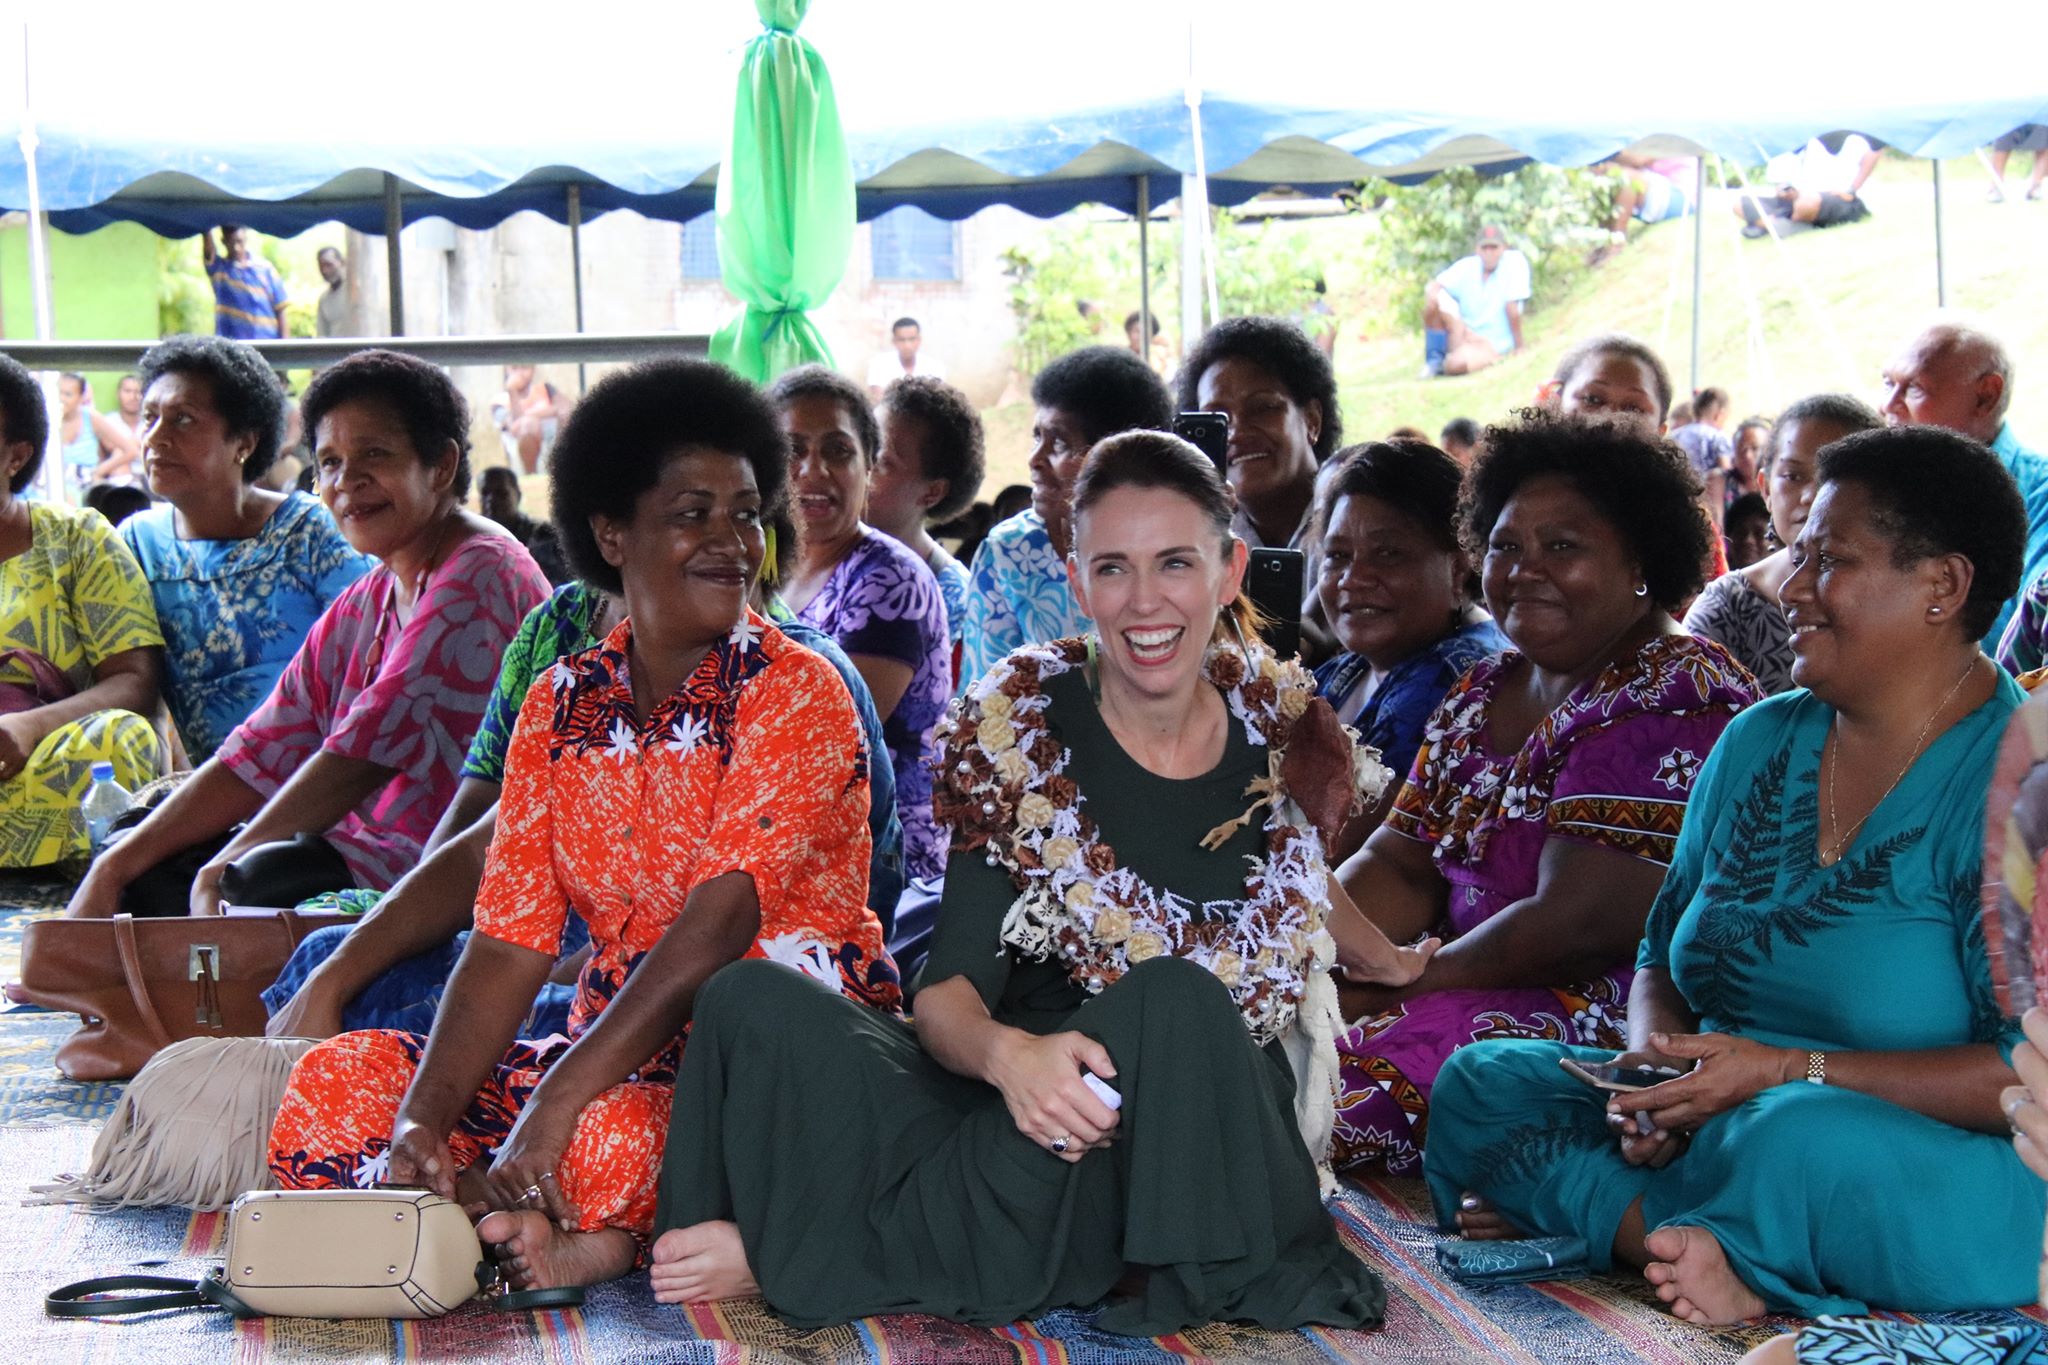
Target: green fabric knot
pixel 782 16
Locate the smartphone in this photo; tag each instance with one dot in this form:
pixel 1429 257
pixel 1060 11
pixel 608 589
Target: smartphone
pixel 1620 1079
pixel 1275 583
pixel 1103 1090
pixel 1208 432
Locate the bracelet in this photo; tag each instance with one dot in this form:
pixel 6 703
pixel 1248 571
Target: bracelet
pixel 1817 1068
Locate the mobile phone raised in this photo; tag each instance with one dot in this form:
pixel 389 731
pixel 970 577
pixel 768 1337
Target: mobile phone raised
pixel 1208 432
pixel 1275 582
pixel 1620 1079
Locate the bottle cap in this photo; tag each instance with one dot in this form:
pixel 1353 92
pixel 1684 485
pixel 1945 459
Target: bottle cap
pixel 103 772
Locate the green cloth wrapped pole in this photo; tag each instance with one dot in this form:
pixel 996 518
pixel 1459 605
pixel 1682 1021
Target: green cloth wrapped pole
pixel 785 201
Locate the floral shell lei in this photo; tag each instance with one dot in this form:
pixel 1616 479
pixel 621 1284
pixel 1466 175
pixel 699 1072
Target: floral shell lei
pixel 1002 787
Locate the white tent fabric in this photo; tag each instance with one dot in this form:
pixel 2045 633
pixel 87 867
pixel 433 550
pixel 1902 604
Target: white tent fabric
pixel 286 117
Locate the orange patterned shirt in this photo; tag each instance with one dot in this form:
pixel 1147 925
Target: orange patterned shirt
pixel 756 764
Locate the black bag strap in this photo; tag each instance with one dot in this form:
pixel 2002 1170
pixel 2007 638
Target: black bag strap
pixel 81 1300
pixel 533 1300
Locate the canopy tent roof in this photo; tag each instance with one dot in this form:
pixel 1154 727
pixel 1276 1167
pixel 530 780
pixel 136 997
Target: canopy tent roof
pixel 952 110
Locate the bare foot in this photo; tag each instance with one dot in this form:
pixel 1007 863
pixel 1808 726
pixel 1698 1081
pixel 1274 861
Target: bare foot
pixel 535 1254
pixel 1480 1222
pixel 1693 1277
pixel 701 1263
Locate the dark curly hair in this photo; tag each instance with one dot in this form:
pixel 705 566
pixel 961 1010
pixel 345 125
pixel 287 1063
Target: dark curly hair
pixel 429 406
pixel 1645 489
pixel 821 381
pixel 1105 389
pixel 1935 492
pixel 952 442
pixel 631 423
pixel 246 392
pixel 1413 477
pixel 1281 349
pixel 23 417
pixel 1617 343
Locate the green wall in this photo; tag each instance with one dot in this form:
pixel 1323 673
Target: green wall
pixel 103 287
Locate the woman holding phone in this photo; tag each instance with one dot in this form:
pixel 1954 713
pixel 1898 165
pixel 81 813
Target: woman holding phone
pixel 1275 385
pixel 1815 958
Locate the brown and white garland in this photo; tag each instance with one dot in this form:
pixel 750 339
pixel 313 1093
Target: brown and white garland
pixel 1002 786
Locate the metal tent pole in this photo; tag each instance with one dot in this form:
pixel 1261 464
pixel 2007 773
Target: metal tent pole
pixel 576 265
pixel 1940 242
pixel 1144 188
pixel 39 273
pixel 394 253
pixel 1699 237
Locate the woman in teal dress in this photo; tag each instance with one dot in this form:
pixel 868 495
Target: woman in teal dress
pixel 1112 913
pixel 1815 955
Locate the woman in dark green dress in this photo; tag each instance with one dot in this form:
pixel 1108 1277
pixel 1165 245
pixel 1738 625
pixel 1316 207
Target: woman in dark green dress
pixel 1099 1098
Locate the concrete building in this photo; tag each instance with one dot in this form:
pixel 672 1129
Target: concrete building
pixel 645 276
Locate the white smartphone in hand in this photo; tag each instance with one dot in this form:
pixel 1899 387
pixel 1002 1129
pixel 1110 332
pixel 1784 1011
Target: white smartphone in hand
pixel 1104 1091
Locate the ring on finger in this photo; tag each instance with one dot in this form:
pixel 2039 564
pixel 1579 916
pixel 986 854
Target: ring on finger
pixel 1060 1144
pixel 532 1195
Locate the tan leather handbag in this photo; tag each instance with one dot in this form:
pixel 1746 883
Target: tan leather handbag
pixel 382 1253
pixel 140 985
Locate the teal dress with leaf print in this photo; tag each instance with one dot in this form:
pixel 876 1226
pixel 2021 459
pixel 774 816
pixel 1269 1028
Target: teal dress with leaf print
pixel 1826 1201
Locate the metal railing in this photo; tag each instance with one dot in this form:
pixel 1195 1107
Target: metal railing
pixel 562 347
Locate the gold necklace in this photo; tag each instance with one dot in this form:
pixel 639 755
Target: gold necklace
pixel 1834 757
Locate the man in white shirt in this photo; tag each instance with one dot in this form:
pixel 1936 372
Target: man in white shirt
pixel 905 357
pixel 1472 312
pixel 1815 186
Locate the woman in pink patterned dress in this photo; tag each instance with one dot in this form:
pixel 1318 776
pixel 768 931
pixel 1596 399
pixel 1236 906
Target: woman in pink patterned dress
pixel 1544 804
pixel 336 780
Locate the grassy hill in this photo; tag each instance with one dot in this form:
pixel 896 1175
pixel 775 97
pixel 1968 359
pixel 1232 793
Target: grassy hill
pixel 1781 319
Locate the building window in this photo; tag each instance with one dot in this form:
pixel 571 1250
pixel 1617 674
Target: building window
pixel 910 244
pixel 700 247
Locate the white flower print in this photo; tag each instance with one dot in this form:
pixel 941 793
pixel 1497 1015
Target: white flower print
pixel 805 955
pixel 623 743
pixel 1677 769
pixel 688 732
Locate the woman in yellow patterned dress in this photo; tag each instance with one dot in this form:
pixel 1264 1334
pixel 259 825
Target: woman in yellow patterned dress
pixel 80 652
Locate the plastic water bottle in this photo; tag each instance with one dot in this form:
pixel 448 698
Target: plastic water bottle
pixel 105 801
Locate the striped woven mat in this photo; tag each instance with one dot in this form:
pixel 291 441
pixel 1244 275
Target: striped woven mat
pixel 49 1125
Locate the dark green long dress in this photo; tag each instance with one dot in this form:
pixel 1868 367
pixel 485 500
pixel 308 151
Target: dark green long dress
pixel 865 1178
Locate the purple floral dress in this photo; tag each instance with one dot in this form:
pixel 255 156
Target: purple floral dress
pixel 881 599
pixel 1613 767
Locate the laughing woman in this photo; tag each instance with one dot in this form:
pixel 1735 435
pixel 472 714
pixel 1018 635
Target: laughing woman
pixel 1096 1099
pixel 694 789
pixel 868 591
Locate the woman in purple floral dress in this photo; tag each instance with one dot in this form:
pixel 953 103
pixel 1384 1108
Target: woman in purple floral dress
pixel 1545 802
pixel 867 590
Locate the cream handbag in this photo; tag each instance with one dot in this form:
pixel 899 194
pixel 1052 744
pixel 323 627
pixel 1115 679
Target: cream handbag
pixel 380 1253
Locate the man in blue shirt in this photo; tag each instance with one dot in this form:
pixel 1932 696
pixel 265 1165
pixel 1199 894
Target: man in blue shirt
pixel 1958 377
pixel 248 296
pixel 1472 312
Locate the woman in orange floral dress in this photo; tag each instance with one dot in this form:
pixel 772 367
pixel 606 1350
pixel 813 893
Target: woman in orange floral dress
pixel 695 788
